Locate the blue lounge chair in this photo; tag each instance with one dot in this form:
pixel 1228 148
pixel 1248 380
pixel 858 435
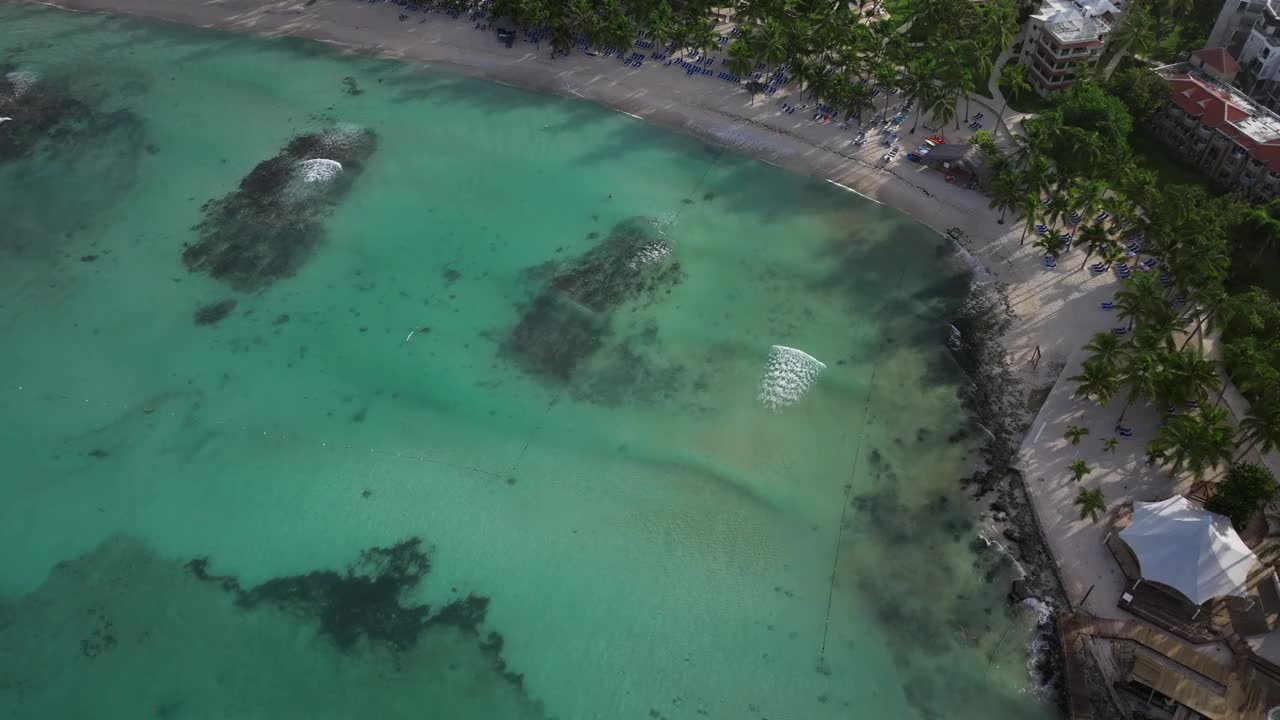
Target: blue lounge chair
pixel 1049 262
pixel 1120 331
pixel 1098 268
pixel 1108 305
pixel 1124 431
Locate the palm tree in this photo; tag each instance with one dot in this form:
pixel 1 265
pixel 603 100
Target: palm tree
pixel 1079 469
pixel 1096 380
pixel 1074 433
pixel 943 108
pixel 1028 207
pixel 1095 240
pixel 1090 502
pixel 1105 348
pixel 1013 81
pixel 1006 189
pixel 1142 298
pixel 1194 443
pixel 741 57
pixel 1050 244
pixel 1109 444
pixel 1192 376
pixel 1139 372
pixel 1261 427
pixel 1136 32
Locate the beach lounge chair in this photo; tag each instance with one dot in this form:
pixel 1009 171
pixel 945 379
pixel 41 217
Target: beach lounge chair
pixel 977 116
pixel 1075 218
pixel 1098 268
pixel 1121 331
pixel 1042 229
pixel 1108 305
pixel 1102 216
pixel 1124 430
pixel 1049 262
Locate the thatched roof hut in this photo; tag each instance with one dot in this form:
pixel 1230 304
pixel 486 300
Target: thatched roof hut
pixel 968 161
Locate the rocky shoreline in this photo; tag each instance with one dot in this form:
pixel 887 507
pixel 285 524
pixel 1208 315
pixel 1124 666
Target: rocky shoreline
pixel 1002 406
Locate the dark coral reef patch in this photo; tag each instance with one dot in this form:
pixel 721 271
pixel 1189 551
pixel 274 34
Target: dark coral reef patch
pixel 570 318
pixel 41 109
pixel 269 225
pixel 367 600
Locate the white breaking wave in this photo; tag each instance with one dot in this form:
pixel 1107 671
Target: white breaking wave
pixel 319 170
pixel 650 253
pixel 22 81
pixel 1038 647
pixel 1001 549
pixel 1042 609
pixel 788 376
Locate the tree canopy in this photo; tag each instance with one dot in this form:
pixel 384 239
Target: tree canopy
pixel 1245 490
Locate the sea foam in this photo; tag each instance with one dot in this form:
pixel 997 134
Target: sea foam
pixel 319 170
pixel 22 81
pixel 788 376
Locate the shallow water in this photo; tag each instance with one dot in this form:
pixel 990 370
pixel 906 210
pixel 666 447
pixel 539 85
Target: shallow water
pixel 530 332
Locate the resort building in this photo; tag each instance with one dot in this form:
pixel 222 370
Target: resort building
pixel 1235 21
pixel 1210 124
pixel 1250 31
pixel 1063 38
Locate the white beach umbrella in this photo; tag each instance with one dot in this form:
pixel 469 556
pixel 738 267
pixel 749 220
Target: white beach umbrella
pixel 1191 550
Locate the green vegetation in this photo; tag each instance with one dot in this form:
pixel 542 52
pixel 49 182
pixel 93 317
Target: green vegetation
pixel 1162 30
pixel 1153 155
pixel 1245 490
pixel 831 49
pixel 1074 433
pixel 1079 469
pixel 1090 502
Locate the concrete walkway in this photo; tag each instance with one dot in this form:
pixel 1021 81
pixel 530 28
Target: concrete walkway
pixel 1084 562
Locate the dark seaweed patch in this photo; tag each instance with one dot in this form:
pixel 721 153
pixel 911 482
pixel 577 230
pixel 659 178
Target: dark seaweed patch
pixel 41 109
pixel 570 318
pixel 269 225
pixel 214 312
pixel 367 600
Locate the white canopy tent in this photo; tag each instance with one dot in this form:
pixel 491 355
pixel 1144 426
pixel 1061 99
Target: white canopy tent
pixel 1191 550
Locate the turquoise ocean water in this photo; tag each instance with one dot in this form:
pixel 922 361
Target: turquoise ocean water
pixel 530 334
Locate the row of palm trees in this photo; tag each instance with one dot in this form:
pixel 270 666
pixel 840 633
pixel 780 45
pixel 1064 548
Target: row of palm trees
pixel 843 55
pixel 1149 363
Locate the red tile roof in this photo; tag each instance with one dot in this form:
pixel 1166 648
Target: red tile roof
pixel 1217 110
pixel 1218 59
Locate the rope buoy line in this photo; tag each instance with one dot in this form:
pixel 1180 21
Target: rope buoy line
pixel 844 510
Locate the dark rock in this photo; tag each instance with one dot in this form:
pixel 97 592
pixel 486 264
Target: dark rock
pixel 269 225
pixel 1018 592
pixel 215 312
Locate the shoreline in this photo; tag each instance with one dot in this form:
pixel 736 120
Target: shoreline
pixel 725 116
pixel 755 129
